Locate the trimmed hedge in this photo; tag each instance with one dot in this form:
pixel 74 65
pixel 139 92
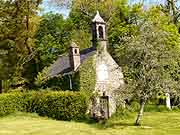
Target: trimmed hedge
pixel 57 105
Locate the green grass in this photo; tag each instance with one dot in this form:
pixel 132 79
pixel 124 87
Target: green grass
pixel 154 123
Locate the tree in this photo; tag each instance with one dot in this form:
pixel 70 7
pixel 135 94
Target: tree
pixel 150 61
pixel 171 8
pixel 18 25
pixel 82 13
pixel 7 60
pixel 53 37
pixel 123 23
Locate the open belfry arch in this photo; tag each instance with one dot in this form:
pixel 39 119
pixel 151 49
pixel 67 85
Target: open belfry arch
pixel 109 76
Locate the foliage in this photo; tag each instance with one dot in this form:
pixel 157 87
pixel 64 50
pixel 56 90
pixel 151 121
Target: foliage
pixel 162 36
pixel 176 109
pixel 156 108
pixel 88 79
pixel 53 38
pixel 42 77
pixel 151 59
pixel 135 106
pixel 60 83
pixel 123 23
pixel 82 38
pixel 123 113
pixel 57 105
pixel 18 24
pixel 7 59
pixel 171 8
pixel 82 12
pixel 86 9
pixel 175 99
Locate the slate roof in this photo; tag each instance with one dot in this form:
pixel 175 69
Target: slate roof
pixel 84 54
pixel 62 64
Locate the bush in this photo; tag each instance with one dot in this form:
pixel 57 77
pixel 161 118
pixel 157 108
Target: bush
pixel 175 108
pixel 10 103
pixel 135 106
pixel 155 108
pixel 123 113
pixel 57 105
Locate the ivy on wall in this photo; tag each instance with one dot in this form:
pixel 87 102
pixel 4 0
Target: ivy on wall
pixel 88 76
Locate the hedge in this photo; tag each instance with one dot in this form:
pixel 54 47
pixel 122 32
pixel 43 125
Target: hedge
pixel 57 105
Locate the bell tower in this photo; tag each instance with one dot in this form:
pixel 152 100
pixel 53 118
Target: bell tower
pixel 99 32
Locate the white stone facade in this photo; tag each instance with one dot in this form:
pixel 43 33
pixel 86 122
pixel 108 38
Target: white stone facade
pixel 109 76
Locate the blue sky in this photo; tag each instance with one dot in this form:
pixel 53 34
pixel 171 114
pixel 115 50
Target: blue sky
pixel 47 7
pixel 147 2
pixel 65 12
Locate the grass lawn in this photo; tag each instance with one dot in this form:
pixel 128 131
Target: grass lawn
pixel 154 123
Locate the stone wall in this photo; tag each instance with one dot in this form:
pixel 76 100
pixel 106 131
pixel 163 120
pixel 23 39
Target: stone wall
pixel 109 78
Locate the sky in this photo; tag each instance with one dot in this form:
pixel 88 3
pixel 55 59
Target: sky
pixel 48 7
pixel 148 2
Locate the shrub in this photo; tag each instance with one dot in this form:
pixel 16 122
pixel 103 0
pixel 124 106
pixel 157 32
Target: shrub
pixel 57 105
pixel 63 106
pixel 120 115
pixel 135 106
pixel 175 108
pixel 155 108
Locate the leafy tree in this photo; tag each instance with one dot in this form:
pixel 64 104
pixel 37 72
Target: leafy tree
pixel 123 23
pixel 171 8
pixel 7 60
pixel 18 21
pixel 53 38
pixel 82 13
pixel 151 59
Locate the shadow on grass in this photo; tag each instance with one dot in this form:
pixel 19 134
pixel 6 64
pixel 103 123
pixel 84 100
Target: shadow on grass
pixel 87 120
pixel 105 124
pixel 114 125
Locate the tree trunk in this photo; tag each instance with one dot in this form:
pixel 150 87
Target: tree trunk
pixel 140 114
pixel 173 6
pixel 0 86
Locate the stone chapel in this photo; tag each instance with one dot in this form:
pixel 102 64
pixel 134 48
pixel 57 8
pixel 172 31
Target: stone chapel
pixel 109 76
